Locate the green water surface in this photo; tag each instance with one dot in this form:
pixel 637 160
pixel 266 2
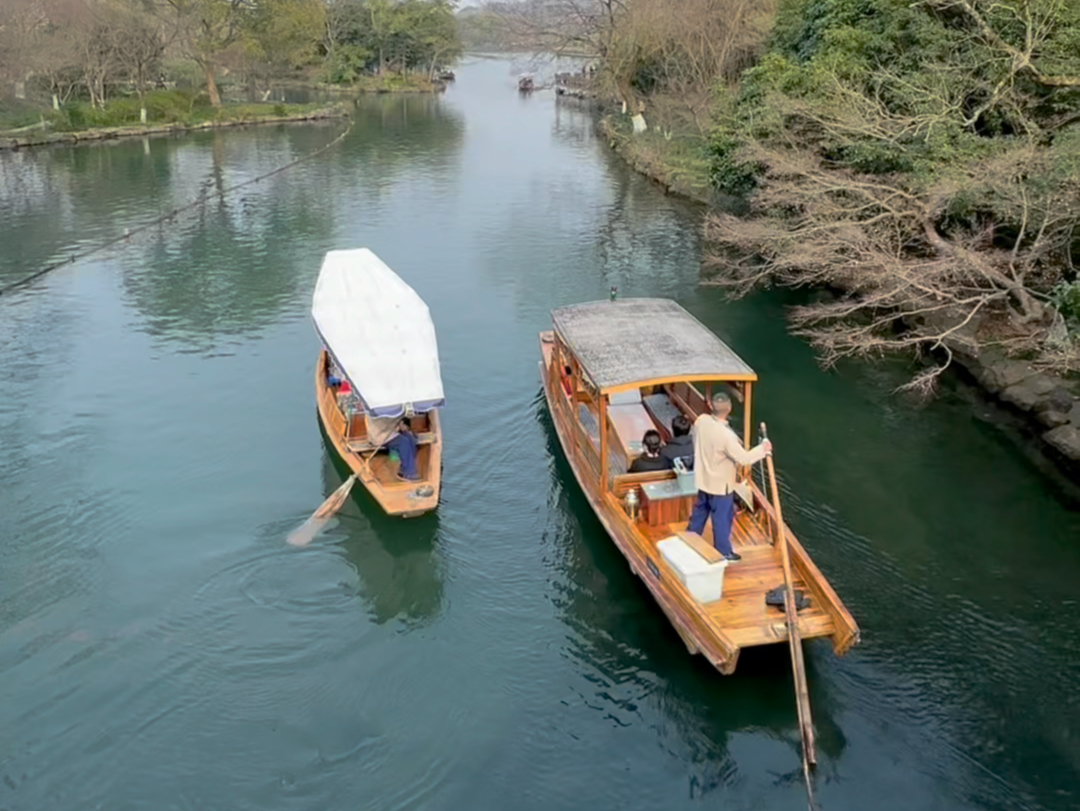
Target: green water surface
pixel 161 647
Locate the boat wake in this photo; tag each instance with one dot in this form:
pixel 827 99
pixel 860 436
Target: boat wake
pixel 308 531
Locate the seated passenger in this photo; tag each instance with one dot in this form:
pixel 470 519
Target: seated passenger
pixel 334 376
pixel 568 381
pixel 650 459
pixel 403 443
pixel 681 445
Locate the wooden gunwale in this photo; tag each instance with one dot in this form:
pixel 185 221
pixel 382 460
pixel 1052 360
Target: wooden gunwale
pixel 662 381
pixel 701 627
pixel 376 472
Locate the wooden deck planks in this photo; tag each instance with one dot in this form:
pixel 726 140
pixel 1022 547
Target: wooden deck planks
pixel 742 611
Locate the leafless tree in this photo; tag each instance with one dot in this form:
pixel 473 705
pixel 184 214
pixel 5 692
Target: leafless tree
pixel 205 29
pixel 139 42
pixel 956 256
pixel 96 42
pixel 679 48
pixel 21 21
pixel 910 279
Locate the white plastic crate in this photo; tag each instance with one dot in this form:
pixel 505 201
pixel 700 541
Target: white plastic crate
pixel 704 580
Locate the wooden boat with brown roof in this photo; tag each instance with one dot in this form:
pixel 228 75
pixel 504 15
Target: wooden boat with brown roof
pixel 379 363
pixel 612 370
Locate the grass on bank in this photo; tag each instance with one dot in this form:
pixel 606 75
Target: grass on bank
pixel 185 107
pixel 166 107
pixel 19 113
pixel 674 155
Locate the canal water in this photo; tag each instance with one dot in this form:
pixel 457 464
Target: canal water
pixel 162 647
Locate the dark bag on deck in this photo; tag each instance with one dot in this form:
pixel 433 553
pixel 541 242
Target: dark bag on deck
pixel 776 598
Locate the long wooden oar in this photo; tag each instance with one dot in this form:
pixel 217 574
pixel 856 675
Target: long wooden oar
pixel 303 534
pixel 802 691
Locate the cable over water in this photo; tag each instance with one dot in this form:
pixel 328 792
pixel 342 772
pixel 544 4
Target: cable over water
pixel 194 204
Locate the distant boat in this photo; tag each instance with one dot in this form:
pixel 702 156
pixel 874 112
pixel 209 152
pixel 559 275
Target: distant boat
pixel 526 84
pixel 380 349
pixel 446 75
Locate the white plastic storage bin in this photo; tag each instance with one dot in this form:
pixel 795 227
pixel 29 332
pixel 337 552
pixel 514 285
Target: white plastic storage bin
pixel 704 580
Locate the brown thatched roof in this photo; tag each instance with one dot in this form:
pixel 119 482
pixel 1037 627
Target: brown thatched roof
pixel 632 340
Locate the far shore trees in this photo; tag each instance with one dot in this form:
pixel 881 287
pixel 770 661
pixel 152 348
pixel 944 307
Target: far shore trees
pixel 89 51
pixel 140 42
pixel 384 36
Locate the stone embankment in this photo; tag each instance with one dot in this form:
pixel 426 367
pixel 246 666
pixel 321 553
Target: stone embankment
pixel 1050 402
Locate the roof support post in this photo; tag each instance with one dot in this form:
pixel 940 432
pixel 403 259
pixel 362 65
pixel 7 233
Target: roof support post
pixel 748 424
pixel 603 443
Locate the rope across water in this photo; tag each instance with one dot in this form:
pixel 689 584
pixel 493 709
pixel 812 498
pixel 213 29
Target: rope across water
pixel 201 200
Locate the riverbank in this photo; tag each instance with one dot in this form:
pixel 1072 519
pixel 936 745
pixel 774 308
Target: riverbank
pixel 388 83
pixel 680 166
pixel 170 128
pixel 1042 408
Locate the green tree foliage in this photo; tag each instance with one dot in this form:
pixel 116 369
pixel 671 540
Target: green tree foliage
pixel 283 35
pixel 922 156
pixel 382 35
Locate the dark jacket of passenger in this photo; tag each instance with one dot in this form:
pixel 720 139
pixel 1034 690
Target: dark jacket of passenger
pixel 679 446
pixel 644 464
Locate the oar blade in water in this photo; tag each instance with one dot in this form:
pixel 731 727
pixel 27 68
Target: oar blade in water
pixel 306 532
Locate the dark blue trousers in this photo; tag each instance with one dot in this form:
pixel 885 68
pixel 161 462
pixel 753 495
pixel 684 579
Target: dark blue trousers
pixel 405 445
pixel 722 511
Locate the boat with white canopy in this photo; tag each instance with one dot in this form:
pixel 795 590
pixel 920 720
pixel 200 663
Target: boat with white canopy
pixel 379 364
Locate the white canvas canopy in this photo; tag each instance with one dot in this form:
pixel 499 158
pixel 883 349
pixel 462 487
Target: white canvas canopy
pixel 379 333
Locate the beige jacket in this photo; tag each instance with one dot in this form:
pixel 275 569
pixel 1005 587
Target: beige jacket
pixel 717 453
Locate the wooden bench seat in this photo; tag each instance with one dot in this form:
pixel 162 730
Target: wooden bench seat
pixel 630 421
pixel 663 411
pixel 616 463
pixel 361 445
pixel 707 551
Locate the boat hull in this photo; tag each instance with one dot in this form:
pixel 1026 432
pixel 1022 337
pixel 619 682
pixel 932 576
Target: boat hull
pixel 375 470
pixel 740 619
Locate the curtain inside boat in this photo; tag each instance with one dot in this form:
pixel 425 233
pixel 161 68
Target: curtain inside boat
pixel 380 429
pixel 379 333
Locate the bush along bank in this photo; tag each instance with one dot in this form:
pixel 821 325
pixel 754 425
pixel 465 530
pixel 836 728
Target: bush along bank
pixel 1047 402
pixel 923 158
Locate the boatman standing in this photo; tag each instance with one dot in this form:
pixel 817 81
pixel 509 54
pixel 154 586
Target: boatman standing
pixel 717 453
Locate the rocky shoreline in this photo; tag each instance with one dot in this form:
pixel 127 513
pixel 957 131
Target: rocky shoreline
pixel 1050 403
pixel 1047 405
pixel 113 133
